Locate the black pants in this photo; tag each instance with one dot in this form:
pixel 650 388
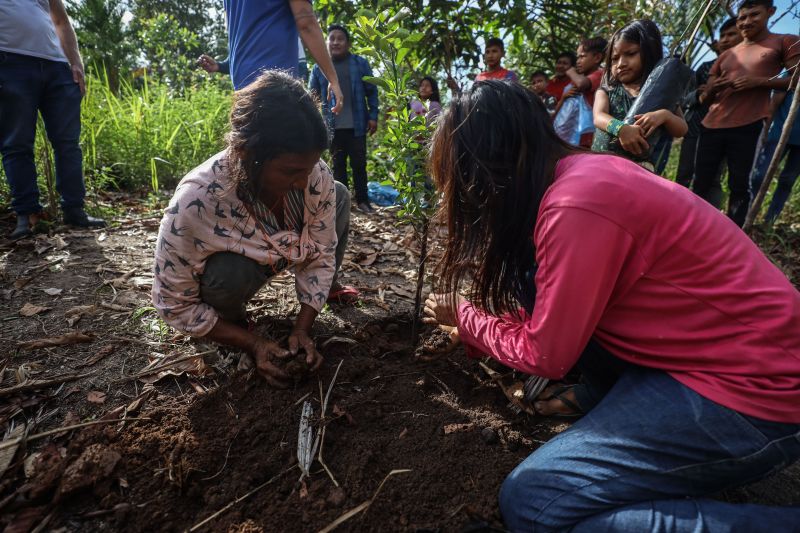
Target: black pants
pixel 345 145
pixel 738 146
pixel 685 172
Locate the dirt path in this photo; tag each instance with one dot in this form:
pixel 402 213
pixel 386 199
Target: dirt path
pixel 210 432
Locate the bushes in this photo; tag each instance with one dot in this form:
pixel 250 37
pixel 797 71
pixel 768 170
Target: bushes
pixel 144 136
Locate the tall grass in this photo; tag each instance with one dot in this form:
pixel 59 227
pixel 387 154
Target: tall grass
pixel 142 136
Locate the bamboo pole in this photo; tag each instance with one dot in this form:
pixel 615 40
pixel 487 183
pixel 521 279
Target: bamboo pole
pixel 697 28
pixel 776 157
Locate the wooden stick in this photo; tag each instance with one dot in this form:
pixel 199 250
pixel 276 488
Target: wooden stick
pixel 40 384
pixel 239 499
pixel 776 157
pixel 36 436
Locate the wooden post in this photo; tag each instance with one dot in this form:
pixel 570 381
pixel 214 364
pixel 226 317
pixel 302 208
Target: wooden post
pixel 755 207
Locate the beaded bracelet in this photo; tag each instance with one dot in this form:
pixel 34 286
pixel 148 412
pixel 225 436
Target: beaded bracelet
pixel 614 125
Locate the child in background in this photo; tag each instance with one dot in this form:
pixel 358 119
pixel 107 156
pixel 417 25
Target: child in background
pixel 559 82
pixel 586 76
pixel 539 87
pixel 738 92
pixel 729 37
pixel 632 54
pixel 493 58
pixel 779 110
pixel 429 103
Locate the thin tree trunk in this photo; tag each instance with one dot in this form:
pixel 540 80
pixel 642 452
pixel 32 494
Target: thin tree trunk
pixel 423 256
pixel 776 157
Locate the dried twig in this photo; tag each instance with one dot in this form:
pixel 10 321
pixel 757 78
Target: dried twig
pixel 239 499
pixel 321 435
pixel 35 384
pixel 148 371
pixel 11 442
pixel 363 507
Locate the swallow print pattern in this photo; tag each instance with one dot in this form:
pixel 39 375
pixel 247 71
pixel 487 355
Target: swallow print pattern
pixel 206 216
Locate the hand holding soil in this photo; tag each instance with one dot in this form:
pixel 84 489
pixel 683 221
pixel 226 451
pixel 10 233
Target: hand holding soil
pixel 266 352
pixel 300 342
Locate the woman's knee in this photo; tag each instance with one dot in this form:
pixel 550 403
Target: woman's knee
pixel 342 198
pixel 229 280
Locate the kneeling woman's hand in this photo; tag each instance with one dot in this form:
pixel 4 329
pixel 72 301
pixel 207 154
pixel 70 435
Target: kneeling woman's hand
pixel 265 352
pixel 442 309
pixel 300 340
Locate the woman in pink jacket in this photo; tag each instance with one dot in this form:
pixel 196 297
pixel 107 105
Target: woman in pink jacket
pixel 265 204
pixel 687 336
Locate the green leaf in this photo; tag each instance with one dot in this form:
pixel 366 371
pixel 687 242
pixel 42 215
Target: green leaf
pixel 380 82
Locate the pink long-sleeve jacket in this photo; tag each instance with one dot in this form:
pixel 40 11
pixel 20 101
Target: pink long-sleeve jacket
pixel 661 279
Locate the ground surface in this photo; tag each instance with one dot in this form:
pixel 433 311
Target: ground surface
pixel 197 439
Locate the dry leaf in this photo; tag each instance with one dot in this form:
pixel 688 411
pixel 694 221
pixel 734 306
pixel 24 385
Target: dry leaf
pixel 100 354
pixel 194 367
pixel 96 396
pixel 400 291
pixel 21 282
pixel 52 291
pixel 102 237
pixel 7 454
pixel 366 258
pixel 29 309
pixel 74 314
pixel 73 337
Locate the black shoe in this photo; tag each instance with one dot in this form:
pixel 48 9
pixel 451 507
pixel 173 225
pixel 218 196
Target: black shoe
pixel 365 208
pixel 23 228
pixel 78 217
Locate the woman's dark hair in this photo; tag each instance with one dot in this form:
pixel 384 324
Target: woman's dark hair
pixel 272 116
pixel 492 158
pixel 646 34
pixel 434 86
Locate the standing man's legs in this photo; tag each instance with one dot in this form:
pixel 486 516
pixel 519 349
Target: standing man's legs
pixel 791 170
pixel 339 152
pixel 358 161
pixel 710 153
pixel 741 151
pixel 61 112
pixel 20 90
pixel 685 171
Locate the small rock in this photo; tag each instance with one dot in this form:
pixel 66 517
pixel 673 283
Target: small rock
pixel 489 436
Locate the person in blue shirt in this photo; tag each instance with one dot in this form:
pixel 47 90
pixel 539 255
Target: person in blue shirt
pixel 779 110
pixel 263 35
pixel 358 116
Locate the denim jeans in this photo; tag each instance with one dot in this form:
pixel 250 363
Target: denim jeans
pixel 230 280
pixel 645 459
pixel 30 85
pixel 786 179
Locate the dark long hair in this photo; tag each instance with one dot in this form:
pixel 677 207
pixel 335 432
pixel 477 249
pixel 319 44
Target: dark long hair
pixel 435 86
pixel 274 115
pixel 492 157
pixel 646 34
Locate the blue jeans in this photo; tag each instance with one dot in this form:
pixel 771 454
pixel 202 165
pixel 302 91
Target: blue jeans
pixel 786 178
pixel 29 85
pixel 644 459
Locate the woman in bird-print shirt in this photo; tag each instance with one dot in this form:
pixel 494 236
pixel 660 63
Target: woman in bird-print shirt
pixel 265 204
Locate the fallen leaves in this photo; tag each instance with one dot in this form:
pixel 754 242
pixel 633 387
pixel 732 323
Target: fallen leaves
pixel 7 454
pixel 30 309
pixel 53 291
pixel 174 364
pixel 73 337
pixel 74 314
pixel 96 396
pixel 102 353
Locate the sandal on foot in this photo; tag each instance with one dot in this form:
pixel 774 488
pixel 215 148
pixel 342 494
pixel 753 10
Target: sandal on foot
pixel 347 295
pixel 559 394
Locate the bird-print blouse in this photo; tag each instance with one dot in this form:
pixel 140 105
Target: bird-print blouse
pixel 206 216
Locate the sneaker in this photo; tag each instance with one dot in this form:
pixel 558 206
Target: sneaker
pixel 78 217
pixel 365 208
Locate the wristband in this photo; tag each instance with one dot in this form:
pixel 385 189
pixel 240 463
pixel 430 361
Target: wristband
pixel 614 125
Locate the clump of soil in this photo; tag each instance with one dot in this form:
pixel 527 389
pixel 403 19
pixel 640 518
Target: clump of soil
pixel 297 368
pixel 434 341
